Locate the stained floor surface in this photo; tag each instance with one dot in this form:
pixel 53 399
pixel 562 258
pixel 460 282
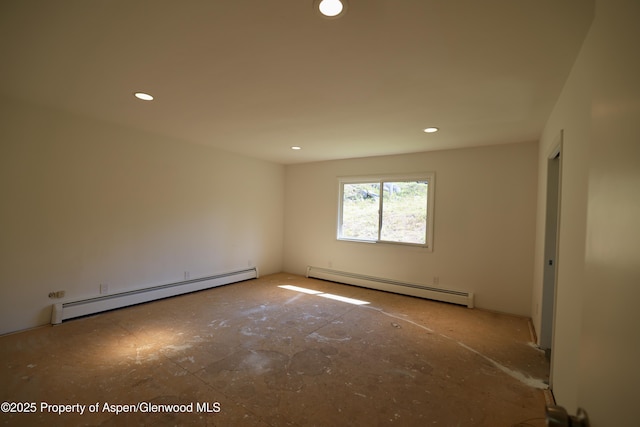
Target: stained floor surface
pixel 257 354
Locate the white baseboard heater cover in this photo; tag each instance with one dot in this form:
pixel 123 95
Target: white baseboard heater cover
pixel 70 310
pixel 390 285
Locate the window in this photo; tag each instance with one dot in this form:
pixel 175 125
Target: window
pixel 392 209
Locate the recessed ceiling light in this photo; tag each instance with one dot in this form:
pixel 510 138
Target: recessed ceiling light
pixel 330 8
pixel 143 96
pixel 430 130
pixel 295 147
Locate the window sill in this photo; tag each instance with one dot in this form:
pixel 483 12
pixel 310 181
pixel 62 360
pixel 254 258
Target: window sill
pixel 387 242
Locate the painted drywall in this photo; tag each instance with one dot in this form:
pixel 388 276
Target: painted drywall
pixel 610 342
pixel 86 202
pixel 596 342
pixel 484 223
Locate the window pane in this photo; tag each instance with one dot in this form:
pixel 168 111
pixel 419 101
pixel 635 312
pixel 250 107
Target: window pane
pixel 360 203
pixel 404 212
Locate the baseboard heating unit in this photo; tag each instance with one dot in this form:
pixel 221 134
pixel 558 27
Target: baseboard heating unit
pixel 389 285
pixel 70 310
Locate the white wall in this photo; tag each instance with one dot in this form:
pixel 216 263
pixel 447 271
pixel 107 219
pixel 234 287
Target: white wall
pixel 484 222
pixel 596 343
pixel 86 202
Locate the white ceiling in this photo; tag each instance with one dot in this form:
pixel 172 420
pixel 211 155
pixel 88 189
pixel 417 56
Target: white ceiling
pixel 258 76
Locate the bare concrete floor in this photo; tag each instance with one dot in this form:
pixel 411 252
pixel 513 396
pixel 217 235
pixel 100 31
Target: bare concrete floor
pixel 256 354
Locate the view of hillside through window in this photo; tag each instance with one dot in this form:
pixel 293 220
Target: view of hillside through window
pixel 398 213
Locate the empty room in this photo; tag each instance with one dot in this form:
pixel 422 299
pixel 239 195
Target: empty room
pixel 319 213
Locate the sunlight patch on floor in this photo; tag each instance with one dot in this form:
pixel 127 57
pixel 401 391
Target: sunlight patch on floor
pixel 324 295
pixel 299 289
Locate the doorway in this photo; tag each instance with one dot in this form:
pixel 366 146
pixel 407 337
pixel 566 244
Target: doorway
pixel 550 268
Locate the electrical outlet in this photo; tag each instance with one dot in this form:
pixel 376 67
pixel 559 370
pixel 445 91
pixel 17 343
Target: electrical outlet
pixel 186 275
pixel 330 264
pixel 56 294
pixel 104 288
pixel 436 280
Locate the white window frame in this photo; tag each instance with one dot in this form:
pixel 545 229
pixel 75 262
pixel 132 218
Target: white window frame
pixel 424 176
